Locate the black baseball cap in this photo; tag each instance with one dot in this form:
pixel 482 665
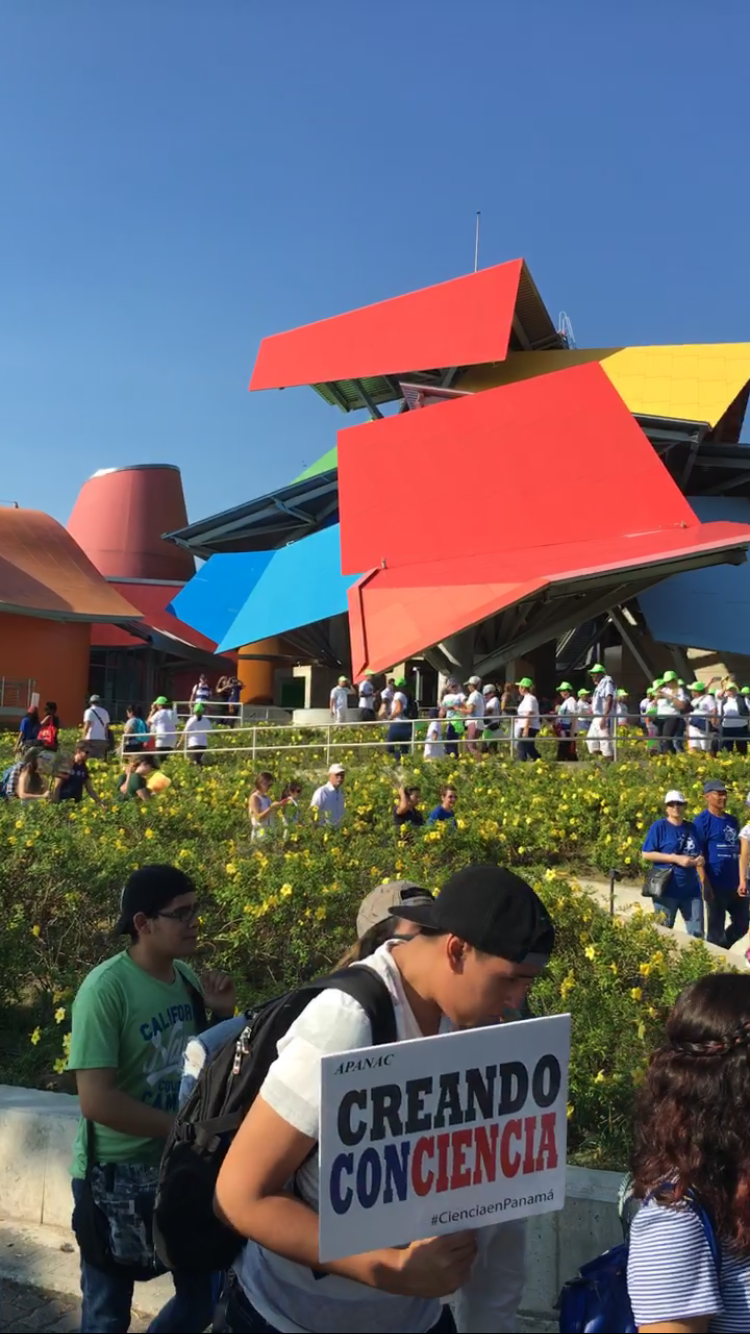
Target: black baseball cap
pixel 493 910
pixel 149 890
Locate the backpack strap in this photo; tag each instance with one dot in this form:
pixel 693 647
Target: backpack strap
pixel 708 1227
pixel 199 1005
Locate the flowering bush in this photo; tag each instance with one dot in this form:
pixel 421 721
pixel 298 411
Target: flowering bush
pixel 281 910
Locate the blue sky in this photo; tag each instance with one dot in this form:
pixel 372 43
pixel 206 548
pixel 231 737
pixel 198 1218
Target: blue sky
pixel 179 178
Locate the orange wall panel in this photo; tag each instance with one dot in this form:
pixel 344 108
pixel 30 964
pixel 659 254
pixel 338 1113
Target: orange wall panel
pixel 54 653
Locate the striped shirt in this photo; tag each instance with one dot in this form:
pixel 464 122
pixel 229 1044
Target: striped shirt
pixel 672 1275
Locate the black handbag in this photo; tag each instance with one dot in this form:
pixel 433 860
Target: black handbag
pixel 91 1227
pixel 656 885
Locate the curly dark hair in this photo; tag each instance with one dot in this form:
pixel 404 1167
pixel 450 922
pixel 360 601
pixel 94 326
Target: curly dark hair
pixel 691 1122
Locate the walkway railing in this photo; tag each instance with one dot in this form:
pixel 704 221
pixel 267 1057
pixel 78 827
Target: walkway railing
pixel 263 738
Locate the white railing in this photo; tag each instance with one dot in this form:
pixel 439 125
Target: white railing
pixel 331 737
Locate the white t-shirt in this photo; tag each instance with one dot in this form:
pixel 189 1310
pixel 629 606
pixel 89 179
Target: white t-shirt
pixel 452 704
pixel 665 706
pixel 434 747
pixel 329 802
pixel 730 712
pixel 164 725
pixel 366 694
pixel 584 708
pixel 98 717
pixel 340 701
pixel 475 703
pixel 286 1294
pixel 528 708
pixel 399 715
pixel 196 731
pixel 491 708
pixel 386 697
pixel 568 713
pixel 672 1274
pixel 605 687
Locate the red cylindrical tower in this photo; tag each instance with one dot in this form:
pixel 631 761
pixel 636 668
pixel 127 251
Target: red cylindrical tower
pixel 120 515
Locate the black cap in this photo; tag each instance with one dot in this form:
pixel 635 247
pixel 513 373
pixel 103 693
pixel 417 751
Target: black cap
pixel 148 890
pixel 492 909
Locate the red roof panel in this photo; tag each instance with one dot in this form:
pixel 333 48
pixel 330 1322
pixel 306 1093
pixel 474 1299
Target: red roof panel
pixel 464 322
pixel 151 600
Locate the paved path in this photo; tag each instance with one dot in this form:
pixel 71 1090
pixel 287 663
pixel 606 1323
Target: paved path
pixel 23 1309
pixel 628 897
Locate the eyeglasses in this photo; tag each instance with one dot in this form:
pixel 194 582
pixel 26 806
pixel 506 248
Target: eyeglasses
pixel 187 913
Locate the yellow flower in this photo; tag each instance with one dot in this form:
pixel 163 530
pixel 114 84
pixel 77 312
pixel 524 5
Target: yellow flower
pixel 230 868
pixel 149 833
pixel 60 1014
pixel 644 969
pixel 320 913
pixel 571 1110
pixel 601 1078
pixel 36 1036
pixel 521 851
pixel 36 931
pixel 590 951
pixel 286 891
pixel 636 993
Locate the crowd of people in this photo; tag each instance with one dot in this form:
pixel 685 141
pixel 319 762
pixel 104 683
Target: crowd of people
pixel 147 1027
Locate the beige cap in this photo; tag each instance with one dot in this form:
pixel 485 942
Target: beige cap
pixel 379 903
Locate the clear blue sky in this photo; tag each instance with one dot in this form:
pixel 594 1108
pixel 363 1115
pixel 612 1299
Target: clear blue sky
pixel 180 177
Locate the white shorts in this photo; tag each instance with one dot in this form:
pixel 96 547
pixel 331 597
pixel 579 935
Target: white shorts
pixel 599 739
pixel 698 740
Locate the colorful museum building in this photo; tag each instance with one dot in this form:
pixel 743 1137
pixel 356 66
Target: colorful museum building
pixel 554 500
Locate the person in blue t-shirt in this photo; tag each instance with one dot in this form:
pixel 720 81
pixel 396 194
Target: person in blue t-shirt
pixel 447 808
pixel 675 841
pixel 720 834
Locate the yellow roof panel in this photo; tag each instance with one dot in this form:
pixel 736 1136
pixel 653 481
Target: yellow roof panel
pixel 694 382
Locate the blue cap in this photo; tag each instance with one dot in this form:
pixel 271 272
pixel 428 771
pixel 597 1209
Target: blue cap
pixel 714 785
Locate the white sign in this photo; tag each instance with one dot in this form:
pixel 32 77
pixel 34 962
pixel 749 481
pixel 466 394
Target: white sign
pixel 442 1134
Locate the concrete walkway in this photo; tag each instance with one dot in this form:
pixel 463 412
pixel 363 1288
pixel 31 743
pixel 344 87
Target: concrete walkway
pixel 628 899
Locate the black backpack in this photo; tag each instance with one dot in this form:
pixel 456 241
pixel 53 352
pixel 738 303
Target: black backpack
pixel 187 1233
pixel 412 708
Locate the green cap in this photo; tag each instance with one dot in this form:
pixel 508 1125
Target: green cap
pixel 712 690
pixel 622 694
pixel 680 682
pixel 698 687
pixel 369 672
pixel 198 709
pixel 670 676
pixel 162 700
pixel 745 690
pixel 658 682
pixel 525 682
pixel 400 681
pixel 597 668
pixel 650 690
pixel 565 685
pixel 583 692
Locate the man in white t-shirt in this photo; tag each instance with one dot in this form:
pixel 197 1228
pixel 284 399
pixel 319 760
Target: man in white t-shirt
pixel 600 738
pixel 528 722
pixel 386 697
pixel 162 723
pixel 474 713
pixel 195 736
pixel 95 728
pixel 328 801
pixel 367 699
pixel 340 700
pixel 702 717
pixel 483 940
pixel 567 715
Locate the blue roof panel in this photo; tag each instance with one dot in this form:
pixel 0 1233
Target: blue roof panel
pixel 219 590
pixel 301 583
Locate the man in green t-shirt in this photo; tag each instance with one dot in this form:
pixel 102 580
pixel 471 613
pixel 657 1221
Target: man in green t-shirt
pixel 132 1018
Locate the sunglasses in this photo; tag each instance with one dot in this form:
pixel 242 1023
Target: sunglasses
pixel 187 913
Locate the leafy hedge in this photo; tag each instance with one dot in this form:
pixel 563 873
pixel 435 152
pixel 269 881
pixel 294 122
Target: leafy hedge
pixel 281 911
